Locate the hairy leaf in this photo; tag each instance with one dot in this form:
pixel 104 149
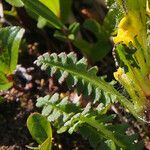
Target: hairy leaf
pixel 76 73
pixel 91 124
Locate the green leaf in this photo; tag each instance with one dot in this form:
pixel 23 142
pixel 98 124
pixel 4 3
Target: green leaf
pixel 60 8
pixel 40 129
pixel 110 22
pixel 10 39
pixel 17 3
pixel 95 127
pixel 111 145
pixel 80 75
pixel 98 49
pixel 46 145
pixel 95 51
pixel 54 6
pixel 77 73
pixel 65 9
pixel 74 28
pixel 41 22
pixel 4 82
pixel 59 35
pixel 40 9
pixel 109 2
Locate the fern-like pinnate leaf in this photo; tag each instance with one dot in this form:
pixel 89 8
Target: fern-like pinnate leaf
pixel 66 115
pixel 76 73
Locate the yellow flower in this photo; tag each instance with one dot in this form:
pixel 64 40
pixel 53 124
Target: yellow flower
pixel 118 73
pixel 129 27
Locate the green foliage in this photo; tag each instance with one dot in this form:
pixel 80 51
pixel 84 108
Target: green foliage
pixel 4 82
pixel 40 130
pixel 71 117
pixel 72 32
pixel 96 50
pixel 55 14
pixel 53 6
pixel 60 8
pixel 76 73
pixel 17 3
pixel 65 9
pixel 44 12
pixel 110 23
pixel 133 55
pixel 10 38
pixel 89 121
pixel 92 121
